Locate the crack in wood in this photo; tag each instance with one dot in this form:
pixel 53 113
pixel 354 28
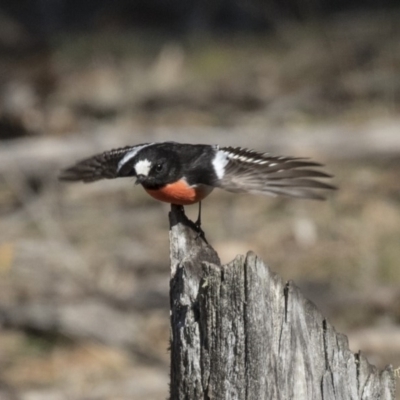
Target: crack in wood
pixel 239 332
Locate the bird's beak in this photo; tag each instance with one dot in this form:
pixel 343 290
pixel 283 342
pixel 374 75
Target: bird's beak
pixel 140 179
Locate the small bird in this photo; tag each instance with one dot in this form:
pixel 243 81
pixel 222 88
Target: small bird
pixel 184 174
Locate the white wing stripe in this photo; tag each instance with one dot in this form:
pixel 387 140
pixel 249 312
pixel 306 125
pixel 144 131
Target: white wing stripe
pixel 219 163
pixel 128 156
pixel 246 159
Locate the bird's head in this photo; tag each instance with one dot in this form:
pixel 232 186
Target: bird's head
pixel 153 169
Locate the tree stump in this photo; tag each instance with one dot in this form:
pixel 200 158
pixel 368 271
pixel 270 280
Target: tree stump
pixel 239 332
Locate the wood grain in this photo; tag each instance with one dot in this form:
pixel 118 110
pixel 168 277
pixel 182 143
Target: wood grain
pixel 239 332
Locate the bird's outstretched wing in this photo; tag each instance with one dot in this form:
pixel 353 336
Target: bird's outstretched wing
pixel 107 165
pixel 243 170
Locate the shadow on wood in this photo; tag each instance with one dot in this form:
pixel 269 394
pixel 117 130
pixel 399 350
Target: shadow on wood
pixel 239 332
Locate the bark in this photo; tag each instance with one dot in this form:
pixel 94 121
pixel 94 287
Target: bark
pixel 239 332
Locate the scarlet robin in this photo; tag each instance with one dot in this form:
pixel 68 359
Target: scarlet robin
pixel 185 174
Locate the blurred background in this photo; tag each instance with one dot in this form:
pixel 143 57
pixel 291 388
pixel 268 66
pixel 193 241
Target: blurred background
pixel 84 269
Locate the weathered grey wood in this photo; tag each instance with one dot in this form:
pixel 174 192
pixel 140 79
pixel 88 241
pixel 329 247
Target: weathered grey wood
pixel 239 332
pixel 188 252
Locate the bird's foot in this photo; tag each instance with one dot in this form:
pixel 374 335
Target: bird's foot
pixel 200 232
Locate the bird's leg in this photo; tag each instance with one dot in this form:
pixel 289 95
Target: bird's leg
pixel 198 221
pixel 200 232
pixel 194 225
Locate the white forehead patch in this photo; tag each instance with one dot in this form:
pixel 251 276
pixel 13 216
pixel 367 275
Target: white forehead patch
pixel 142 167
pixel 130 154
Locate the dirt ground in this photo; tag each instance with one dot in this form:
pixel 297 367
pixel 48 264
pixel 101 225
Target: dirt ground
pixel 84 269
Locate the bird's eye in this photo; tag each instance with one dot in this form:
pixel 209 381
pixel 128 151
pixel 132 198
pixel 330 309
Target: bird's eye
pixel 158 167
